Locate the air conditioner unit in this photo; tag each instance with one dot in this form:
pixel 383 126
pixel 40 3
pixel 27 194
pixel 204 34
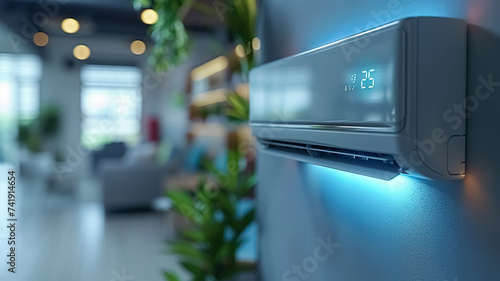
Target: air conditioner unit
pixel 384 102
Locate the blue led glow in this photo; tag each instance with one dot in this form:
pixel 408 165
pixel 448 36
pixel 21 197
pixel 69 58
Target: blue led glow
pixel 355 18
pixel 345 182
pixel 363 203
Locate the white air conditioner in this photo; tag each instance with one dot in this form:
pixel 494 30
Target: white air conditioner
pixel 379 103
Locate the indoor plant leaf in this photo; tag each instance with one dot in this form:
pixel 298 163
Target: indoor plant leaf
pixel 247 185
pixel 194 234
pixel 194 269
pixel 189 250
pixel 243 223
pixel 183 203
pixel 170 276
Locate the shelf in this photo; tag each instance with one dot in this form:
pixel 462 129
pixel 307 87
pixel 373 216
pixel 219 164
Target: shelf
pixel 209 68
pixel 218 95
pixel 210 97
pixel 208 129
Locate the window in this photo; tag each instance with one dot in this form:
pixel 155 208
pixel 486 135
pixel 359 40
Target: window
pixel 19 97
pixel 20 83
pixel 111 104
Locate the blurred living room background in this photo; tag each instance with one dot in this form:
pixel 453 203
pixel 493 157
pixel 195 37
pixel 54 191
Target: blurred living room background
pixel 105 107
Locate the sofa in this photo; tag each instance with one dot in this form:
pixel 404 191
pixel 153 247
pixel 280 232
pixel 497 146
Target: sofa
pixel 134 181
pixel 114 150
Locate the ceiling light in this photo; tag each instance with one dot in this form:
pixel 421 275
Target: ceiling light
pixel 81 52
pixel 138 47
pixel 149 16
pixel 70 25
pixel 41 39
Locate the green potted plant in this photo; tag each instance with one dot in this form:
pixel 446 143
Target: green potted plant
pixel 32 138
pixel 32 135
pixel 207 247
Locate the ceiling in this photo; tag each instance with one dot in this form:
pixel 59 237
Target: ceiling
pixel 96 16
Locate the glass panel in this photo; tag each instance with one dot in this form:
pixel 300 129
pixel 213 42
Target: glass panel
pixel 331 87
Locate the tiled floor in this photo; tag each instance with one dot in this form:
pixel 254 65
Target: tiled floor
pixel 67 236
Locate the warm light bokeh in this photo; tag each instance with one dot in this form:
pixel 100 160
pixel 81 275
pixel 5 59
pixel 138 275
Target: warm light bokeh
pixel 41 39
pixel 149 16
pixel 138 47
pixel 70 25
pixel 240 51
pixel 81 52
pixel 256 43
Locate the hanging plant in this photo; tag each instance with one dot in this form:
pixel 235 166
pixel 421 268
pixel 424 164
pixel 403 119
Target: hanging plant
pixel 172 41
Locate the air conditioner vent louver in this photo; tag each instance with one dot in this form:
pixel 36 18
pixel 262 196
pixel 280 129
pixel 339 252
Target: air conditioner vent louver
pixel 372 164
pixel 317 150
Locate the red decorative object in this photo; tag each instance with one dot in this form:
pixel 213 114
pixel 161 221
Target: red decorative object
pixel 153 129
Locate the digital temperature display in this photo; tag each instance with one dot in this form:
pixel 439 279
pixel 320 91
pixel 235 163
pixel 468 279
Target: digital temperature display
pixel 367 80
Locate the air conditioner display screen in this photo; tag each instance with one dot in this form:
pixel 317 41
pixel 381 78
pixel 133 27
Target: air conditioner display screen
pixel 363 80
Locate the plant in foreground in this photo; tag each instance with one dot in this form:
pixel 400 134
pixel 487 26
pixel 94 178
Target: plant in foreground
pixel 207 248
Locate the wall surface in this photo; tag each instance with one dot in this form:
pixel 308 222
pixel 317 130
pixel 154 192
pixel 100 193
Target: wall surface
pixel 321 224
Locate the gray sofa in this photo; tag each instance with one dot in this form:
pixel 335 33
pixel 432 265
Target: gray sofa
pixel 130 186
pixel 114 150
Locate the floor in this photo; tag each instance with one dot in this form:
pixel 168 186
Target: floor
pixel 65 235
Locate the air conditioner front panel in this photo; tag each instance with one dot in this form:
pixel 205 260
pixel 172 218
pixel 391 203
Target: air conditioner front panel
pixel 356 84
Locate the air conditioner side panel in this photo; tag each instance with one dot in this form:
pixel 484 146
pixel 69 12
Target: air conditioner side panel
pixel 441 90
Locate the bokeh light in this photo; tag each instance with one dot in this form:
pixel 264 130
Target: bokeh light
pixel 149 16
pixel 138 47
pixel 41 39
pixel 256 43
pixel 240 51
pixel 70 25
pixel 81 52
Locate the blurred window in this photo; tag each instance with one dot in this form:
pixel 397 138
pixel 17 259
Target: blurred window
pixel 111 104
pixel 20 85
pixel 19 97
